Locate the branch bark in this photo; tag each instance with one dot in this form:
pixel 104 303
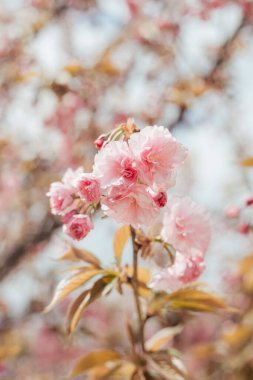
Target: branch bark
pixel 135 285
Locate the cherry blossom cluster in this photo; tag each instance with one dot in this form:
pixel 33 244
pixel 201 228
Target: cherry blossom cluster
pixel 132 173
pixel 130 178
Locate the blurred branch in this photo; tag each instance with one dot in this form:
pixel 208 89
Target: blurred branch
pixel 212 77
pixel 12 258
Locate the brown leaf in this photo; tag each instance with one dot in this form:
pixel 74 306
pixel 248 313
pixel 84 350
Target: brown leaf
pixel 188 298
pixel 246 263
pixel 248 162
pixel 123 371
pixel 69 284
pixel 73 307
pixel 94 359
pixel 144 274
pixel 195 300
pixel 238 337
pixel 99 288
pixel 162 337
pixel 76 254
pixel 120 239
pixel 247 280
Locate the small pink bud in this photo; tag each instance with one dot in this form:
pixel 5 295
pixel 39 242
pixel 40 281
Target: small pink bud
pixel 243 228
pixel 232 212
pixel 161 199
pixel 78 227
pixel 99 142
pixel 249 201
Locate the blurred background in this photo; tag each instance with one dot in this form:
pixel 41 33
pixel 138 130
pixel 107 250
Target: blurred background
pixel 73 69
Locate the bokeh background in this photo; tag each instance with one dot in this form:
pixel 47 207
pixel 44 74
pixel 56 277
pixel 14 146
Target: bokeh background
pixel 73 69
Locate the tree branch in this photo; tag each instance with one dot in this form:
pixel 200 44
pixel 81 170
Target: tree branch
pixel 135 285
pixel 12 259
pixel 211 77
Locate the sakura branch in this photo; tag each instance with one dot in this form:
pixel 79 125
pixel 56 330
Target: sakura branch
pixel 132 174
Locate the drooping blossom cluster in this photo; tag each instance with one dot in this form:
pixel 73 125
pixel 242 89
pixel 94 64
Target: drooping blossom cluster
pixel 186 228
pixel 132 173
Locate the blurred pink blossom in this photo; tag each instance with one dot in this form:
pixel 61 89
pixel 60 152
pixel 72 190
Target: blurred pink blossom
pixel 186 226
pixel 243 228
pixel 183 271
pixel 232 212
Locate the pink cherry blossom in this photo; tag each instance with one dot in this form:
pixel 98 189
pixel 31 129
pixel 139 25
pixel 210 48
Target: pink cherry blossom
pixel 137 207
pixel 88 187
pixel 78 227
pixel 99 142
pixel 70 176
pixel 61 198
pixel 190 268
pixel 67 217
pixel 183 271
pixel 186 226
pixel 158 154
pixel 115 168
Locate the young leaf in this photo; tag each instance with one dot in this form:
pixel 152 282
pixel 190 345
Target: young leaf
pixel 72 310
pixel 94 359
pixel 195 300
pixel 162 337
pixel 99 288
pixel 144 274
pixel 69 284
pixel 76 254
pixel 120 239
pixel 123 371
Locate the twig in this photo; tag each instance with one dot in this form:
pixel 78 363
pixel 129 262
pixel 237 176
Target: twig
pixel 223 55
pixel 135 285
pixel 12 259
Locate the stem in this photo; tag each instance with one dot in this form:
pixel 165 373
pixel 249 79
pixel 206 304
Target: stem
pixel 135 287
